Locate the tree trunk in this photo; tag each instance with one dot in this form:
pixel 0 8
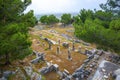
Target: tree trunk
pixel 7 59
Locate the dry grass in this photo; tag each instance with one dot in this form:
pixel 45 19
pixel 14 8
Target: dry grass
pixel 50 55
pixel 62 58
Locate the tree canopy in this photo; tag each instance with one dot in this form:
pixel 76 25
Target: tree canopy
pixel 100 28
pixel 84 14
pixel 66 19
pixel 51 19
pixel 43 19
pixel 112 6
pixel 14 24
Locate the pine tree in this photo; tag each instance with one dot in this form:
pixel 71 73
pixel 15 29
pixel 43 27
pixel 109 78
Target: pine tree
pixel 14 24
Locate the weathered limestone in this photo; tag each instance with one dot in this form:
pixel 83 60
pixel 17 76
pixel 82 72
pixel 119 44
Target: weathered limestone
pixel 86 44
pixel 58 50
pixel 40 35
pixel 6 74
pixel 3 78
pixel 86 51
pixel 59 41
pixel 20 74
pixel 77 41
pixel 65 44
pixel 56 67
pixel 43 44
pixel 36 76
pixel 79 49
pixel 50 45
pixel 38 54
pixel 33 75
pixel 67 36
pixel 28 70
pixel 53 31
pixel 35 61
pixel 51 67
pixel 73 46
pixel 50 41
pixel 69 55
pixel 66 71
pixel 40 57
pixel 80 74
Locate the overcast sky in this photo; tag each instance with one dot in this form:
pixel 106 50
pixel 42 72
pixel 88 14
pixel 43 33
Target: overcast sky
pixel 63 6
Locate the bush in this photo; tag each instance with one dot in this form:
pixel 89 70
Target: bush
pixel 95 33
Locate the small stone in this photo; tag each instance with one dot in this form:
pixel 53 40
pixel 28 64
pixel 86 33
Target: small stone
pixel 65 44
pixel 28 70
pixel 3 78
pixel 58 50
pixel 6 74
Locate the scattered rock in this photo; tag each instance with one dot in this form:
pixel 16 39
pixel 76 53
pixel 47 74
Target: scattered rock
pixel 53 31
pixel 40 57
pixel 39 27
pixel 77 41
pixel 3 78
pixel 6 74
pixel 36 76
pixel 36 60
pixel 20 74
pixel 51 67
pixel 28 70
pixel 56 67
pixel 86 44
pixel 65 44
pixel 50 41
pixel 66 36
pixel 71 31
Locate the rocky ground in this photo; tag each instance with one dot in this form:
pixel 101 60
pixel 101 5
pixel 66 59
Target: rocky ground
pixel 58 55
pixel 63 35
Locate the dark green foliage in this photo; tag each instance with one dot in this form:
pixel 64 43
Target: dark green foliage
pixel 51 19
pixel 84 14
pixel 112 6
pixel 12 9
pixel 29 19
pixel 77 20
pixel 44 19
pixel 105 17
pixel 14 25
pixel 66 19
pixel 95 31
pixel 115 25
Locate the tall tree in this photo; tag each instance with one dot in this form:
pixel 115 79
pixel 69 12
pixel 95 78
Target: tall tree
pixel 51 19
pixel 43 19
pixel 115 25
pixel 66 19
pixel 14 24
pixel 112 6
pixel 105 17
pixel 84 14
pixel 29 18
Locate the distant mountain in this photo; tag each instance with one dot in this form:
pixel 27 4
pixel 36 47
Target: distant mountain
pixel 58 15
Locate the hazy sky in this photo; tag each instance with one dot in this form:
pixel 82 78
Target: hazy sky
pixel 63 6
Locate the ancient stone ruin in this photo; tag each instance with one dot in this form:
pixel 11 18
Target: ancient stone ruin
pixel 58 50
pixel 49 68
pixel 69 55
pixel 39 57
pixel 65 44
